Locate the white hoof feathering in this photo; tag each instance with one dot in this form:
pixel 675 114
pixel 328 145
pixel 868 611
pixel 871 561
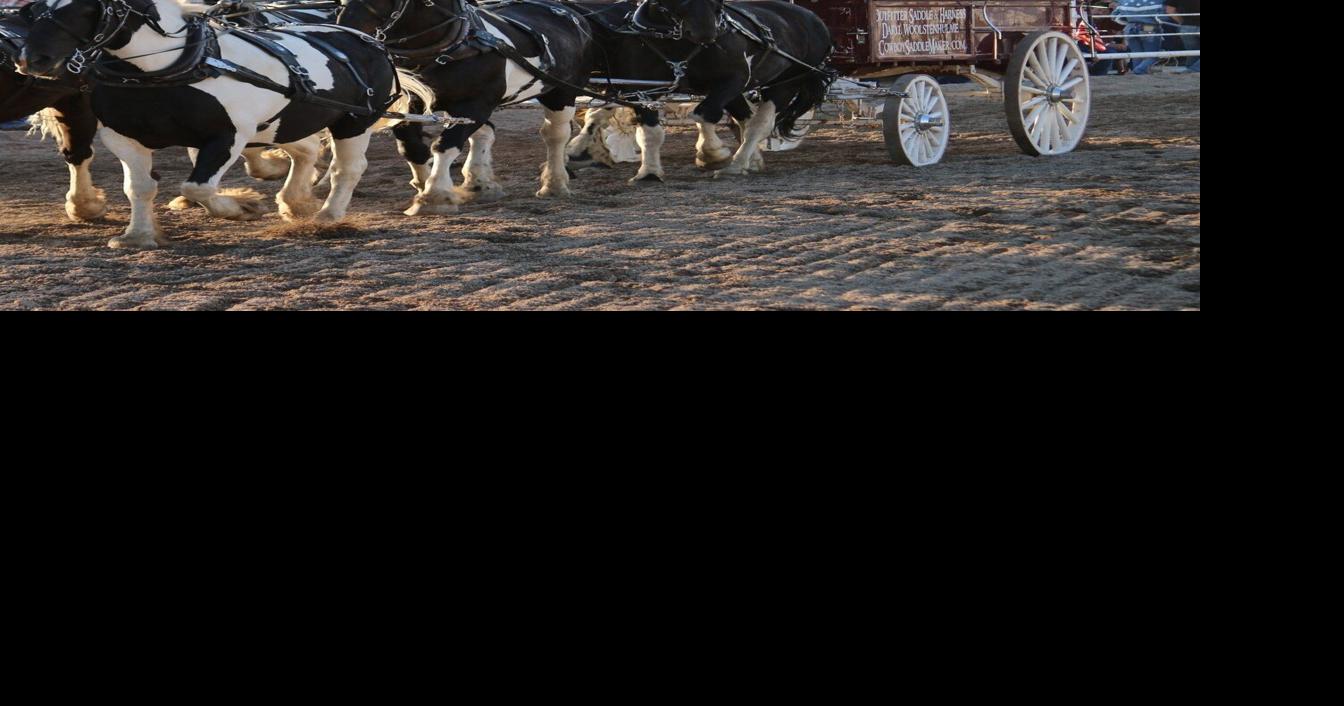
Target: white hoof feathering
pixel 89 207
pixel 481 192
pixel 296 209
pixel 269 165
pixel 432 204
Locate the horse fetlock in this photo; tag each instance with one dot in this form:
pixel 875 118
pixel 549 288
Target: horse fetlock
pixel 86 206
pixel 267 166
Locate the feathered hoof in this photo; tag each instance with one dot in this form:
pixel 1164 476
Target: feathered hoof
pixel 423 207
pixel 481 193
pixel 181 203
pixel 650 178
pixel 87 209
pixel 137 241
pixel 730 172
pixel 298 209
pixel 325 216
pixel 268 167
pixel 711 162
pixel 555 192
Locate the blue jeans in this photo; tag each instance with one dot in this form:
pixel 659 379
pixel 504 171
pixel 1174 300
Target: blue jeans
pixel 1139 38
pixel 1190 40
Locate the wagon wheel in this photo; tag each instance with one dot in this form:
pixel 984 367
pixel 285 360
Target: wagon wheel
pixel 918 125
pixel 1047 94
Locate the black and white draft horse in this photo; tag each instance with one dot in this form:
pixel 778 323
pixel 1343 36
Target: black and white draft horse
pixel 61 107
pixel 170 79
pixel 70 115
pixel 477 59
pixel 721 51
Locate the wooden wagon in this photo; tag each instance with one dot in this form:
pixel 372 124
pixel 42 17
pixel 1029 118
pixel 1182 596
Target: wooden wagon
pixel 895 49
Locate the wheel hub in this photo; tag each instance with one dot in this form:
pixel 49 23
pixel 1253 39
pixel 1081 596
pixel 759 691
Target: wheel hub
pixel 1057 94
pixel 925 122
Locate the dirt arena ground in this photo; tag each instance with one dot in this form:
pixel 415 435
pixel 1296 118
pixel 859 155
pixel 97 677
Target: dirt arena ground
pixel 831 225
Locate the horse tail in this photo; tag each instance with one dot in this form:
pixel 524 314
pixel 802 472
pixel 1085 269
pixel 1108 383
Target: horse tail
pixel 812 93
pixel 412 88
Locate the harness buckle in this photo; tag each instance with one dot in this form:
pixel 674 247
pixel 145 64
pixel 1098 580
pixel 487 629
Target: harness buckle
pixel 77 62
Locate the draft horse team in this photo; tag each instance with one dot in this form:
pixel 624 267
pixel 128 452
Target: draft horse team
pixel 234 80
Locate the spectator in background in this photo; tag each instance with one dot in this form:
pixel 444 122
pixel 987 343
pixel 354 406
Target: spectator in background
pixel 1089 44
pixel 1189 28
pixel 1143 28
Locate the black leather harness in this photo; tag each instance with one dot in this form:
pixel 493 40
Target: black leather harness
pixel 201 59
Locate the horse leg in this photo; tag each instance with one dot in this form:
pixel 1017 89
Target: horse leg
pixel 137 163
pixel 555 132
pixel 439 197
pixel 710 152
pixel 411 145
pixel 348 163
pixel 182 203
pixel 587 147
pixel 478 174
pixel 77 127
pixel 650 139
pixel 295 199
pixel 202 186
pixel 757 128
pixel 264 167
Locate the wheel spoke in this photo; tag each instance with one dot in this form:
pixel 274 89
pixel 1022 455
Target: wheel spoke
pixel 1033 123
pixel 1033 90
pixel 1061 56
pixel 1068 85
pixel 1034 102
pixel 1035 71
pixel 1067 114
pixel 1068 70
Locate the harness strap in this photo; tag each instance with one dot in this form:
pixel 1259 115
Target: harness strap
pixel 187 69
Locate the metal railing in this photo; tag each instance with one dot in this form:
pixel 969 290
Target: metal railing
pixel 1088 17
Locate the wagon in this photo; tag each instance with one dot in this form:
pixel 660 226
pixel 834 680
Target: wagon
pixel 891 53
pixel 1022 46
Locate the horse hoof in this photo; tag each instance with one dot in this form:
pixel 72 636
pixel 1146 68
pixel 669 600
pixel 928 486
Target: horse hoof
pixel 135 241
pixel 730 172
pixel 552 192
pixel 481 193
pixel 90 210
pixel 431 209
pixel 181 203
pixel 650 177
